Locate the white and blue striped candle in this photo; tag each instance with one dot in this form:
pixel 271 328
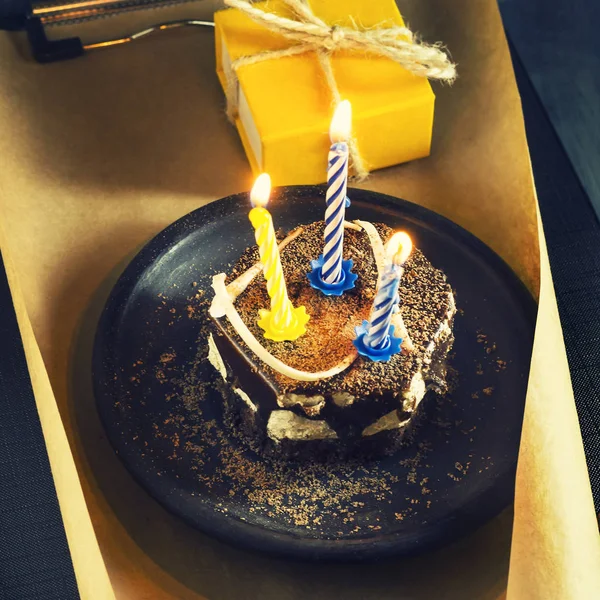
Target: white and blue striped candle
pixel 337 182
pixel 398 250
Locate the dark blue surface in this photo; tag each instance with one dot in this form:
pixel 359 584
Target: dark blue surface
pixel 34 555
pixel 12 13
pixel 573 237
pixel 559 46
pixel 158 436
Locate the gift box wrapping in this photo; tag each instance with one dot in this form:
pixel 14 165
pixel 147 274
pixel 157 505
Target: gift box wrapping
pixel 285 105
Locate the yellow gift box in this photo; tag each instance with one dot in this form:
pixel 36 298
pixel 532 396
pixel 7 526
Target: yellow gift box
pixel 284 105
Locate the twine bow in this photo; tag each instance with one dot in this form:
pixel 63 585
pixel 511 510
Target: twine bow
pixel 312 34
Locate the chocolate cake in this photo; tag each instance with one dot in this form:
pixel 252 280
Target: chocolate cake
pixel 366 405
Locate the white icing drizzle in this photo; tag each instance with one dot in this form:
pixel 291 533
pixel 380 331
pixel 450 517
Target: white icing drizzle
pixel 351 225
pixel 223 306
pixel 443 325
pixel 376 244
pixel 401 331
pixel 214 358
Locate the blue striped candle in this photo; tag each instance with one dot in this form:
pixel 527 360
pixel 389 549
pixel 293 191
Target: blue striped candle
pixel 374 337
pixel 331 274
pixel 337 182
pixel 383 307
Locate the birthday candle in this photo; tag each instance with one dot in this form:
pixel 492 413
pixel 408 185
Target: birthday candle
pixel 374 337
pixel 283 322
pixel 398 251
pixel 337 182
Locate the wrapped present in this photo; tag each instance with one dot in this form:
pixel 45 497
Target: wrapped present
pixel 284 64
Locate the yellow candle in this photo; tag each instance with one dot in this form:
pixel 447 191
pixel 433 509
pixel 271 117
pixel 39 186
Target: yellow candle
pixel 283 321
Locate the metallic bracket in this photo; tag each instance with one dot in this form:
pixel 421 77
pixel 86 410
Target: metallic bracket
pixel 45 50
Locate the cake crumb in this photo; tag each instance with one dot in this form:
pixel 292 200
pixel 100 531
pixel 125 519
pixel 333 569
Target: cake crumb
pixel 167 357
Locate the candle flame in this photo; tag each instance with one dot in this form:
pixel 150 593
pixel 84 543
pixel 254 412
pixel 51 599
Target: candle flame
pixel 398 248
pixel 341 123
pixel 261 190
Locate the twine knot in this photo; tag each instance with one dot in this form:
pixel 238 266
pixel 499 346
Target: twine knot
pixel 336 35
pixel 309 33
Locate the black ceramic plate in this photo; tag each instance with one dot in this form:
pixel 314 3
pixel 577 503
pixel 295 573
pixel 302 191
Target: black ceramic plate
pixel 163 416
